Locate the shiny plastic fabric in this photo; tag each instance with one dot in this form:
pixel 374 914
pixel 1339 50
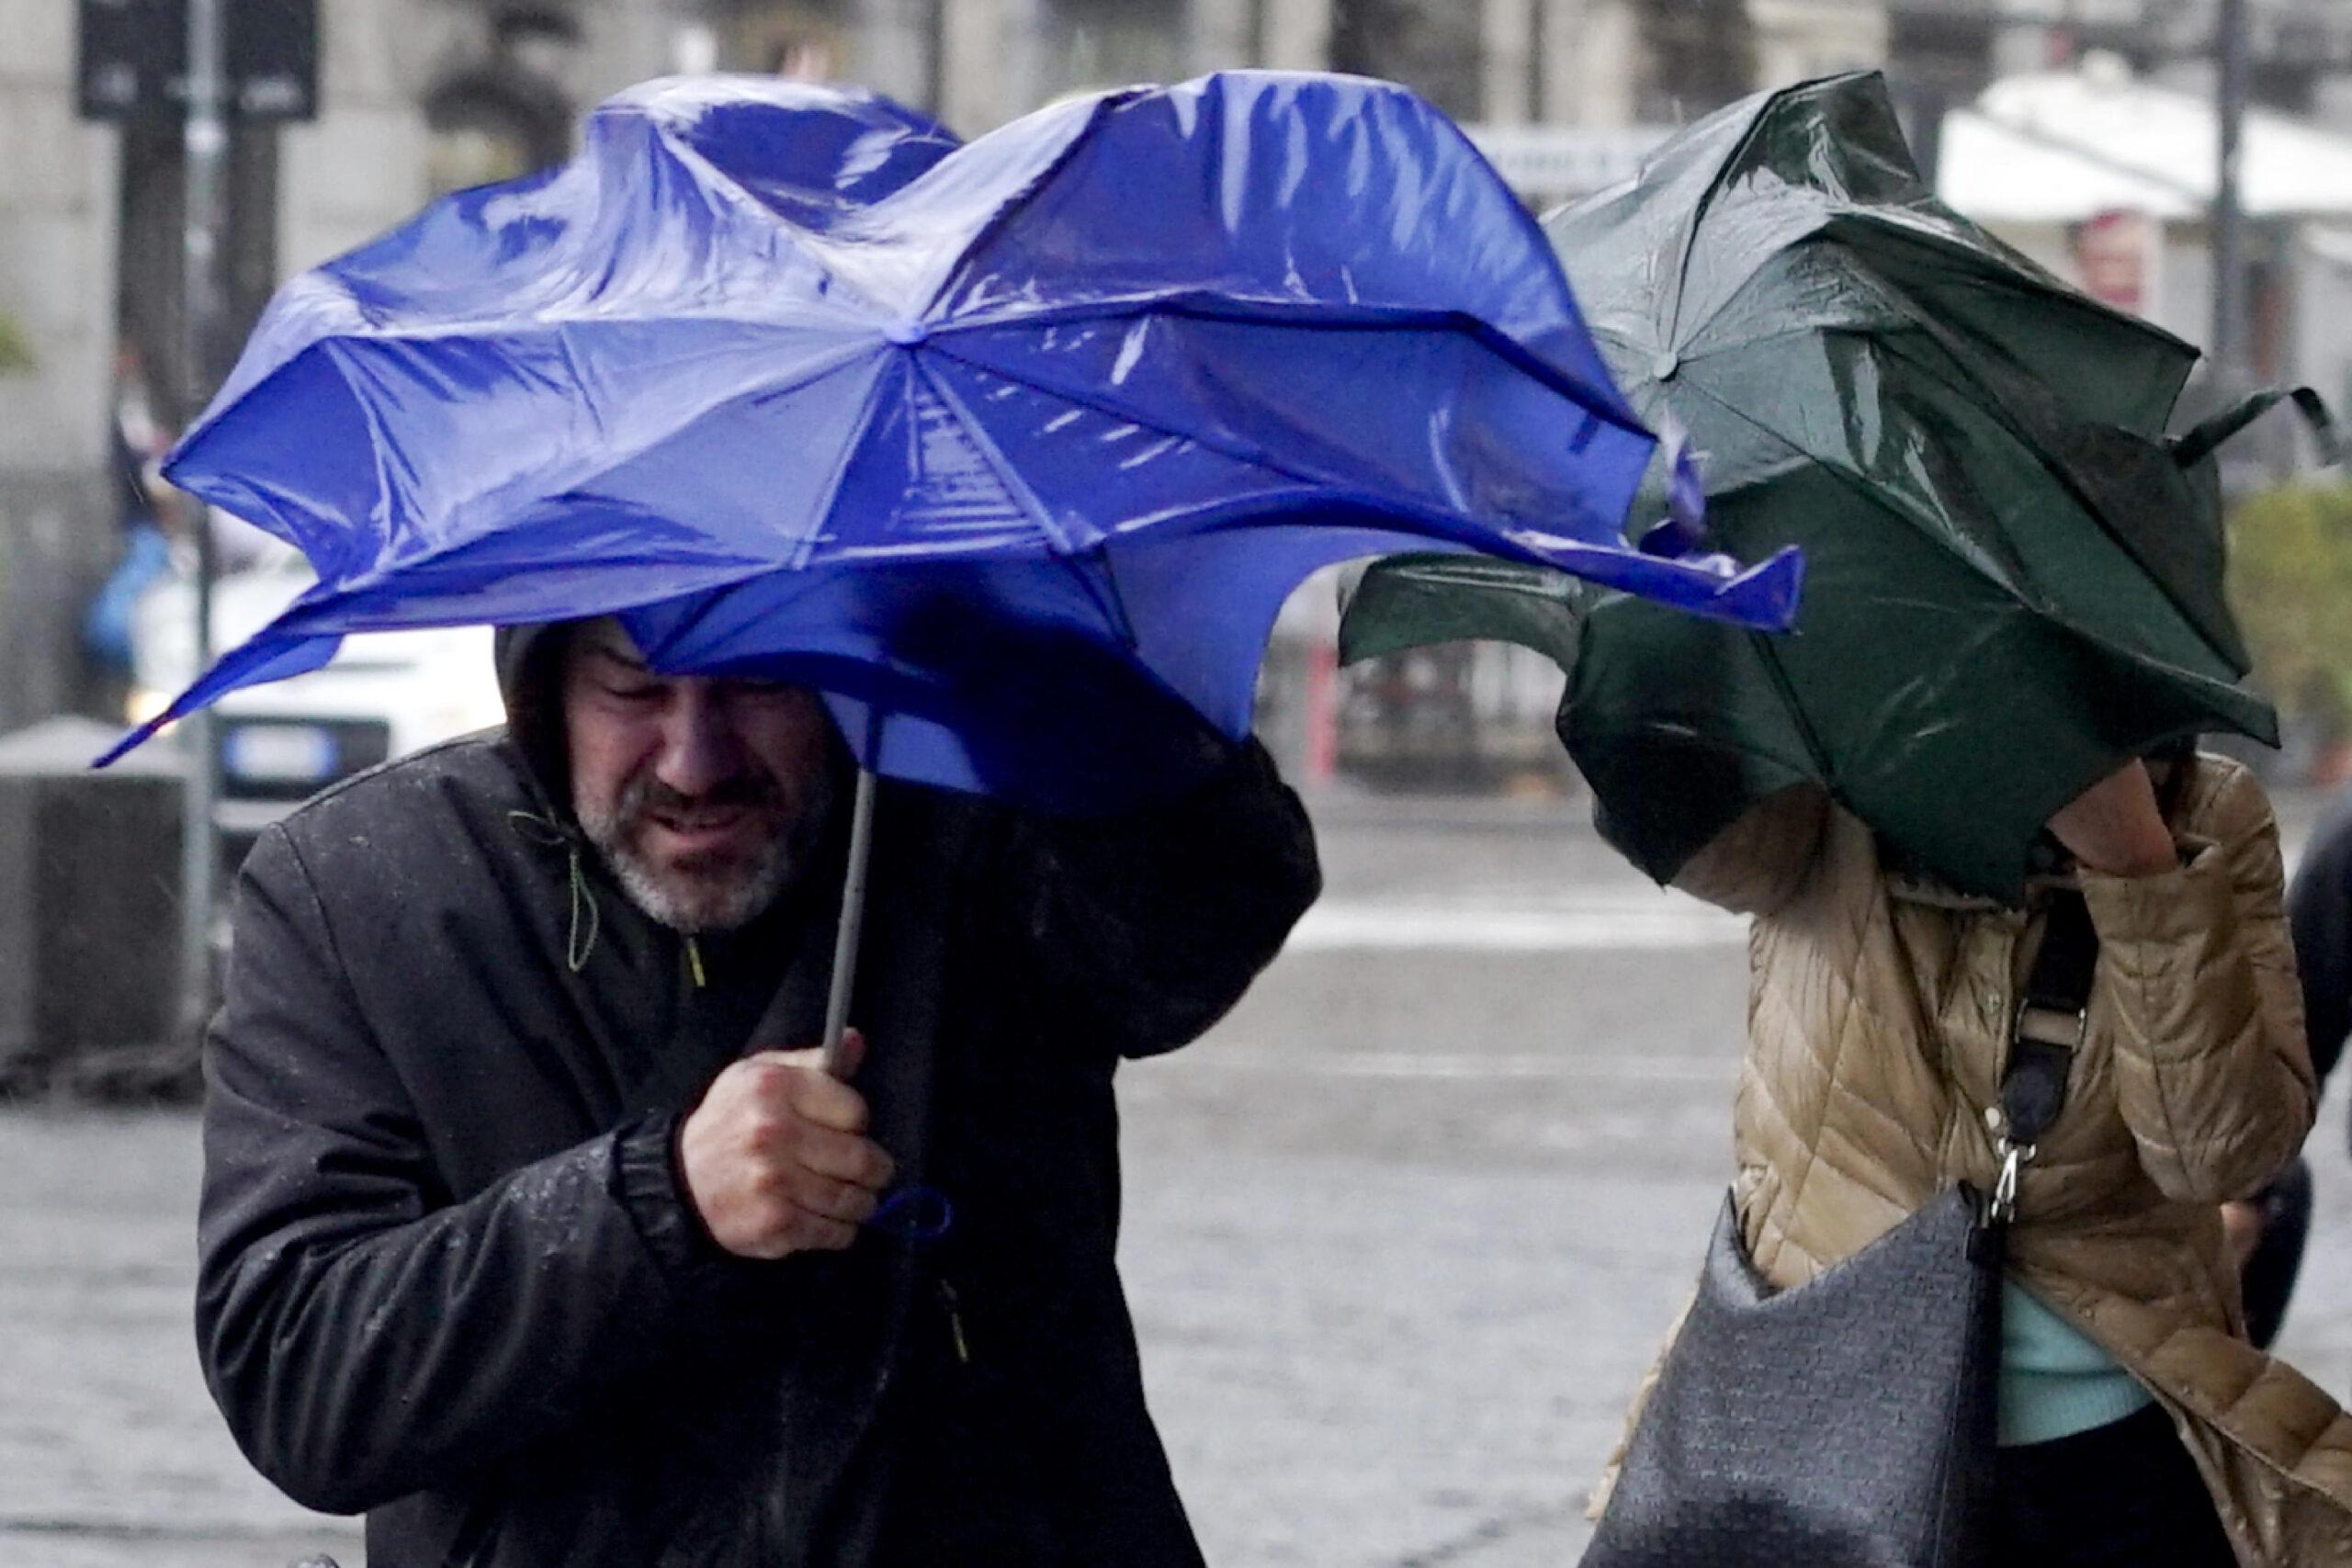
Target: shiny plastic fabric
pixel 2014 580
pixel 1013 440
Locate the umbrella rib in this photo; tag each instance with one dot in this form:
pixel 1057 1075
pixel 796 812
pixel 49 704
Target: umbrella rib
pixel 1066 547
pixel 1903 508
pixel 1005 209
pixel 2022 274
pixel 1202 305
pixel 2025 280
pixel 1063 541
pixel 727 185
pixel 1689 357
pixel 2001 401
pixel 377 447
pixel 1110 408
pixel 1698 215
pixel 1997 404
pixel 805 547
pixel 1338 491
pixel 1814 745
pixel 1893 499
pixel 1288 467
pixel 831 365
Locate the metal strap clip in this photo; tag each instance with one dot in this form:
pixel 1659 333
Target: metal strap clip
pixel 2052 1026
pixel 2014 1157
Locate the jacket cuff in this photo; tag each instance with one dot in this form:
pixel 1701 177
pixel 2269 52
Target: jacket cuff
pixel 652 1189
pixel 2186 904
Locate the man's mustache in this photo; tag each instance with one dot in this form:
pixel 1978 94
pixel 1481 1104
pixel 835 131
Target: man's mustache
pixel 749 789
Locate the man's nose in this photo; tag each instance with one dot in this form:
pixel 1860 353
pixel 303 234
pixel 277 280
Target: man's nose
pixel 700 749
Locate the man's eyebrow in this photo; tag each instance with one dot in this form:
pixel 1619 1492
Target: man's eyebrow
pixel 626 658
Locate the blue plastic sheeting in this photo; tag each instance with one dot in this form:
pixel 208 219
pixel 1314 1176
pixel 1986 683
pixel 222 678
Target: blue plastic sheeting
pixel 1021 443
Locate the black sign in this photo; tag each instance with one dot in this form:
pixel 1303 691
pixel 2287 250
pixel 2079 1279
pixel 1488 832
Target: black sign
pixel 134 59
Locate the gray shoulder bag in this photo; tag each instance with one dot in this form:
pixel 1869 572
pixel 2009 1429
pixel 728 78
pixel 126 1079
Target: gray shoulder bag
pixel 1848 1422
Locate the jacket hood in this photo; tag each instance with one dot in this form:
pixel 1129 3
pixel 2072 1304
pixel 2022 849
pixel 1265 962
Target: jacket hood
pixel 530 671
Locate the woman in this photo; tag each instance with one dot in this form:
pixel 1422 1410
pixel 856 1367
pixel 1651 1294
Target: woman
pixel 2137 1424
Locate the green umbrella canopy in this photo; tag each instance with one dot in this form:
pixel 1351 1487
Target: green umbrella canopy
pixel 2013 580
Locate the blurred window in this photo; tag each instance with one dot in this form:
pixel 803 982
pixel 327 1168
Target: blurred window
pixel 805 40
pixel 507 114
pixel 1109 43
pixel 1701 56
pixel 1437 50
pixel 475 144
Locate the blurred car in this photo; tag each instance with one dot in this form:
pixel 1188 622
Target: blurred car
pixel 384 694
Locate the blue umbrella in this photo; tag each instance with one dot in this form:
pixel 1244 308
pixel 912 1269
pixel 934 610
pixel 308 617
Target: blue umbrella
pixel 1011 448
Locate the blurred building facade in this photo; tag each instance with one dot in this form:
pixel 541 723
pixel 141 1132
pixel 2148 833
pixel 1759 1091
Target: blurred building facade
pixel 2299 52
pixel 58 184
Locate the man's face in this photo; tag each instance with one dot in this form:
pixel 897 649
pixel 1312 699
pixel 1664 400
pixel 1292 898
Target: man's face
pixel 702 794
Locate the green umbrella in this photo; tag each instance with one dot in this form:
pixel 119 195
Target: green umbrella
pixel 2013 578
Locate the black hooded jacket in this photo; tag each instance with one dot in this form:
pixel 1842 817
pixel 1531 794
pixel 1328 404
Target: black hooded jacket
pixel 447 1274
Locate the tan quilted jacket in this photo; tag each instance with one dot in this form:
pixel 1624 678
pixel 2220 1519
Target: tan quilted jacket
pixel 1878 1020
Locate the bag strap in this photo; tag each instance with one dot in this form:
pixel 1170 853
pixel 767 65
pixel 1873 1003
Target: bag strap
pixel 2048 1030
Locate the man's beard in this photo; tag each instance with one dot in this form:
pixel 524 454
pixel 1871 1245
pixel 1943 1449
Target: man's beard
pixel 708 893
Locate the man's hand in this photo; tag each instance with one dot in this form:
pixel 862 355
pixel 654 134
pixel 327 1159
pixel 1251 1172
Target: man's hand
pixel 2114 826
pixel 776 1160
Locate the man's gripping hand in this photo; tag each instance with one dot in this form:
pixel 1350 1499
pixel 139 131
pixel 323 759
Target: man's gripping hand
pixel 775 1157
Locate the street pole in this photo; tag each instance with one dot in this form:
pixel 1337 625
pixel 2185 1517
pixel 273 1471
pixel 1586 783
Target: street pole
pixel 205 148
pixel 2228 346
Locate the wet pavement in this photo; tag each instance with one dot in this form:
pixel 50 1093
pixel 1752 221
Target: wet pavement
pixel 1401 1233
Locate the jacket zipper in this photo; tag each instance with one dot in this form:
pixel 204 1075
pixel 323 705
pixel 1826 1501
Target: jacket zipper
pixel 947 1300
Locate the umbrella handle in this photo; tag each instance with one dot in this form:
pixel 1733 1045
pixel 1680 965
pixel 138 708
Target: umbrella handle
pixel 861 852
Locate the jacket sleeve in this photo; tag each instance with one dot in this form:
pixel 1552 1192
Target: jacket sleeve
pixel 1756 865
pixel 2196 973
pixel 364 1336
pixel 2319 913
pixel 1142 929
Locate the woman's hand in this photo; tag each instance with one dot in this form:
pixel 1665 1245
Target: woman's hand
pixel 2114 826
pixel 2241 1232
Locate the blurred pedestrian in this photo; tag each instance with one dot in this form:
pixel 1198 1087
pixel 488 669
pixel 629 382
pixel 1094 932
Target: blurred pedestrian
pixel 519 1232
pixel 2136 1423
pixel 2319 911
pixel 144 511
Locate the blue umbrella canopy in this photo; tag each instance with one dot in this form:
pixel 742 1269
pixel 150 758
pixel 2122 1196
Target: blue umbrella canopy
pixel 1022 442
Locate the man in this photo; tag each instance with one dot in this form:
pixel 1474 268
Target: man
pixel 515 1237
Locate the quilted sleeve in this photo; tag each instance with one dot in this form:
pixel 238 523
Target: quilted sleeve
pixel 1756 865
pixel 2197 980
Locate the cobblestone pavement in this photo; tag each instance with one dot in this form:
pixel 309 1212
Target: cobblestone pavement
pixel 1401 1232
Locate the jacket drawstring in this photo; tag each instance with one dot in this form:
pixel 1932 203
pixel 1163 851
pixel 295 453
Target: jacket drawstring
pixel 587 920
pixel 694 962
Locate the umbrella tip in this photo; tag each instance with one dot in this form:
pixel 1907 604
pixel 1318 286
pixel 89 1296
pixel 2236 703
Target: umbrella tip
pixel 129 743
pixel 1785 574
pixel 1683 530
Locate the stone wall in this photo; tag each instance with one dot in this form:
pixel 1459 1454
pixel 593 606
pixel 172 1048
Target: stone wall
pixel 58 540
pixel 57 534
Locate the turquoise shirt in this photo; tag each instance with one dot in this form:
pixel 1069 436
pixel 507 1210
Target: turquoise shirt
pixel 2055 1381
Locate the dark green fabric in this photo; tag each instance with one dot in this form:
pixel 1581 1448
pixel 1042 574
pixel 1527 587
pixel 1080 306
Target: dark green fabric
pixel 2013 580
